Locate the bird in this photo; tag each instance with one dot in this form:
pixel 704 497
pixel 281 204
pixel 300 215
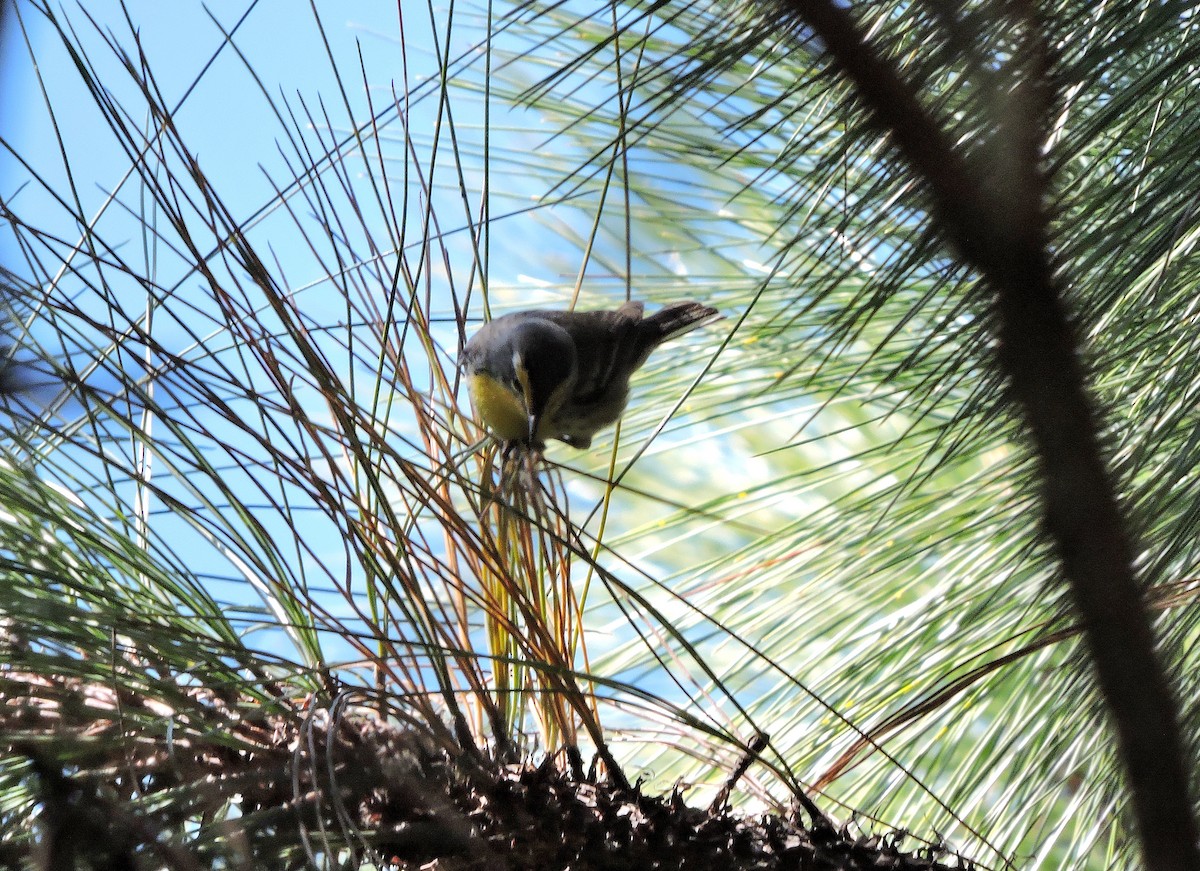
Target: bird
pixel 539 375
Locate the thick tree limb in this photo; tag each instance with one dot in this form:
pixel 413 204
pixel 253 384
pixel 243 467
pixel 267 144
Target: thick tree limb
pixel 988 204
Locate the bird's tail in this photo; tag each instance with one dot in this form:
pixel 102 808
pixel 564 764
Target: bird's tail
pixel 678 318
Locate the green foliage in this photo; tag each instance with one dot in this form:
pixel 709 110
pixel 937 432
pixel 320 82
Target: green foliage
pixel 824 527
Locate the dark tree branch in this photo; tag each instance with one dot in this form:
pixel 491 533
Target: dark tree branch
pixel 989 204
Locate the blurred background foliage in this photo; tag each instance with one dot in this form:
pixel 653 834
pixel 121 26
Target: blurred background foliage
pixel 244 249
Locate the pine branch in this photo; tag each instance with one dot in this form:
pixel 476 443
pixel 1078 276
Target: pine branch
pixel 992 213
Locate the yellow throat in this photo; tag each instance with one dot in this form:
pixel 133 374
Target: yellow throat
pixel 501 409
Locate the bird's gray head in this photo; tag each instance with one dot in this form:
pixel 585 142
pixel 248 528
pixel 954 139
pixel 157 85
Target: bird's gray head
pixel 543 358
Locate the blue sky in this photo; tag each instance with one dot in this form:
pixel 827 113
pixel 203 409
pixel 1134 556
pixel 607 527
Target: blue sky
pixel 222 115
pixel 229 127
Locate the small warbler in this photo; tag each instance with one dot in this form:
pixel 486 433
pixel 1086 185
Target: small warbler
pixel 538 375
